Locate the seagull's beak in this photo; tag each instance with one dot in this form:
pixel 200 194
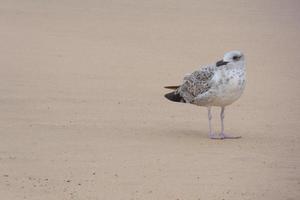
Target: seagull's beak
pixel 220 63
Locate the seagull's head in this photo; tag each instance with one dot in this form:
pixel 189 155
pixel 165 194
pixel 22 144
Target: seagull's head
pixel 231 57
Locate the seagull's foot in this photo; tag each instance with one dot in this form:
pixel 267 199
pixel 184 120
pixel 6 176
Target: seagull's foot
pixel 222 136
pixel 215 136
pixel 225 136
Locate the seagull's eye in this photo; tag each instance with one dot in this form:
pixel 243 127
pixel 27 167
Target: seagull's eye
pixel 236 57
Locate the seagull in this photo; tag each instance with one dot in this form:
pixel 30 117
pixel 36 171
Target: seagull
pixel 218 84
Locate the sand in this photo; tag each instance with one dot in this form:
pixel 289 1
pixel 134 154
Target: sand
pixel 82 112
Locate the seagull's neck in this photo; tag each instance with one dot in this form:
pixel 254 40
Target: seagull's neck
pixel 239 65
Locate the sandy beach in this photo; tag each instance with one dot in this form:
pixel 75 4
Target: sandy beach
pixel 82 112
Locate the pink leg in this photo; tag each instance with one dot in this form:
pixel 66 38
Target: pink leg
pixel 222 134
pixel 211 134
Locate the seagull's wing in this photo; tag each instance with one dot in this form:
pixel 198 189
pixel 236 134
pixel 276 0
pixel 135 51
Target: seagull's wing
pixel 197 83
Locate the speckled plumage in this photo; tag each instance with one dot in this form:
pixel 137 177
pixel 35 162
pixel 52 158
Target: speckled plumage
pixel 213 85
pixel 219 84
pixel 196 83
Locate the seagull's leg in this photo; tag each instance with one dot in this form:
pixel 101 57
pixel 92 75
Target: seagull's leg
pixel 211 134
pixel 222 115
pixel 222 134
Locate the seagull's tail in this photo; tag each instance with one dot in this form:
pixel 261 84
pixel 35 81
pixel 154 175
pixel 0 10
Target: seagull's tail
pixel 173 96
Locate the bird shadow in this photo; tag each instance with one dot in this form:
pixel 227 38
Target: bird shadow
pixel 197 134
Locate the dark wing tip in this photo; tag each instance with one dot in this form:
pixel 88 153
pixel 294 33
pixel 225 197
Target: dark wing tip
pixel 172 87
pixel 172 96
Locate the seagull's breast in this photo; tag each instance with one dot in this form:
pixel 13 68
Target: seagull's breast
pixel 229 85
